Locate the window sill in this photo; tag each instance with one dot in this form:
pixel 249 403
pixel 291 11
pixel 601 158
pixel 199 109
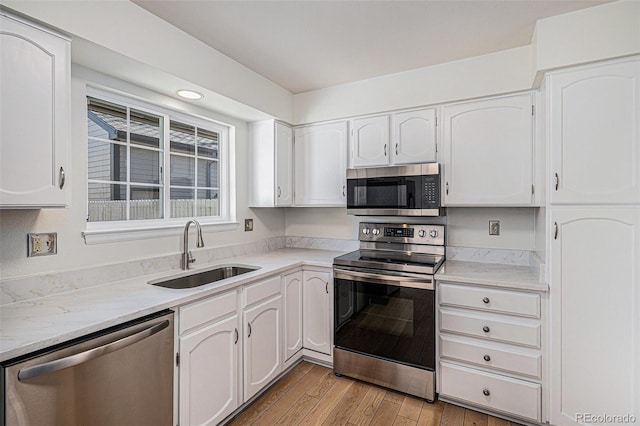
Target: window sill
pixel 111 234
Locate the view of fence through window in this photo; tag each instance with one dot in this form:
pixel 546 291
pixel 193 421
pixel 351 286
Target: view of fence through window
pixel 126 158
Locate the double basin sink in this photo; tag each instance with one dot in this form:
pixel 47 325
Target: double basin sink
pixel 196 279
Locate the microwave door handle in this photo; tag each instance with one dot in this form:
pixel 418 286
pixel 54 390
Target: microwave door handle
pixel 82 357
pixel 377 278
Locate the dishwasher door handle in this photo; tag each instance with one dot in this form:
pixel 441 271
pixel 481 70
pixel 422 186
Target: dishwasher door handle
pixel 82 357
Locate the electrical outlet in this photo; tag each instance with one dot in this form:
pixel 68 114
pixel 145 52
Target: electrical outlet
pixel 248 225
pixel 42 244
pixel 494 227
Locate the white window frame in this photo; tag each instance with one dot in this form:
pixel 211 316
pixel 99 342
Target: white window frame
pixel 126 230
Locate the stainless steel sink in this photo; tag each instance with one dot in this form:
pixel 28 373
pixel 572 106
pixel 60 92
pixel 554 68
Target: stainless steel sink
pixel 197 279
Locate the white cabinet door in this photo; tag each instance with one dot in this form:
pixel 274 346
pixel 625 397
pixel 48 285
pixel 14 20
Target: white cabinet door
pixel 595 136
pixel 262 345
pixel 270 164
pixel 595 311
pixel 208 373
pixel 284 165
pixel 413 137
pixel 292 313
pixel 321 165
pixel 488 152
pixel 369 143
pixel 35 69
pixel 317 310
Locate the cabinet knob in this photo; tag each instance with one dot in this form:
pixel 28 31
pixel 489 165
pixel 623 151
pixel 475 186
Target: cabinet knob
pixel 279 192
pixel 396 148
pixel 326 287
pixel 485 299
pixel 486 329
pixel 236 339
pixel 487 358
pixel 557 178
pixel 385 149
pixel 447 188
pixel 486 392
pixel 344 190
pixel 62 178
pixel 555 230
pixel 249 324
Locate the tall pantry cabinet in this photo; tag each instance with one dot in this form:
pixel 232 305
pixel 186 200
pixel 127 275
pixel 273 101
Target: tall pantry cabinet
pixel 594 249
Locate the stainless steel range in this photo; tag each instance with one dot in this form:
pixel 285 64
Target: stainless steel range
pixel 385 330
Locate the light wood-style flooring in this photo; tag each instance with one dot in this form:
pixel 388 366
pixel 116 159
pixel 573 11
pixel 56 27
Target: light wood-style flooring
pixel 310 394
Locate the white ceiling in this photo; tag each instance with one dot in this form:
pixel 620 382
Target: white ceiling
pixel 305 45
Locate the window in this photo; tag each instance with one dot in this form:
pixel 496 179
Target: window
pixel 131 145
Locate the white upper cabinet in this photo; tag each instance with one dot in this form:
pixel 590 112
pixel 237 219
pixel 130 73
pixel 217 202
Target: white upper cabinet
pixel 369 143
pixel 321 165
pixel 595 134
pixel 488 152
pixel 35 70
pixel 413 137
pixel 401 138
pixel 271 164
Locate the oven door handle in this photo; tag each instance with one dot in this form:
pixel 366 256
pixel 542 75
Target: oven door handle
pixel 375 277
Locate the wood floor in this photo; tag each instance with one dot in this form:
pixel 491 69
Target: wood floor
pixel 312 395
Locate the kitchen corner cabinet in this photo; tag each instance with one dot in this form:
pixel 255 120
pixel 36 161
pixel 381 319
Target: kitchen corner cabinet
pixel 594 138
pixel 487 152
pixel 209 360
pixel 401 138
pixel 595 312
pixel 271 164
pixel 35 81
pixel 320 168
pixel 262 322
pixel 292 294
pixel 317 294
pixel 490 345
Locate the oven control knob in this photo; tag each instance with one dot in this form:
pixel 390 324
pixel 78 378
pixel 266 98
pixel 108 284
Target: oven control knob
pixel 375 231
pixel 422 233
pixel 433 233
pixel 365 231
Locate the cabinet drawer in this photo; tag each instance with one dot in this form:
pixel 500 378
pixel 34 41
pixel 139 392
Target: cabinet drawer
pixel 510 396
pixel 492 327
pixel 512 359
pixel 261 290
pixel 207 310
pixel 486 299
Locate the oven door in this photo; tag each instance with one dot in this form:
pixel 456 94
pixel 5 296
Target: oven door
pixel 386 315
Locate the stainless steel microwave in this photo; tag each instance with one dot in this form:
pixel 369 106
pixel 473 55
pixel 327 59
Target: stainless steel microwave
pixel 411 190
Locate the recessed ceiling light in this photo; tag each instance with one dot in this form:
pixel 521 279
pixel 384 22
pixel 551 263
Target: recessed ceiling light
pixel 190 94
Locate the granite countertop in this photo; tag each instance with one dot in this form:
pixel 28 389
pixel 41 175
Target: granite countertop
pixel 492 274
pixel 38 323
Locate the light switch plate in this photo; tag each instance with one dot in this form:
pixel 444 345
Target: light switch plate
pixel 494 227
pixel 42 244
pixel 248 225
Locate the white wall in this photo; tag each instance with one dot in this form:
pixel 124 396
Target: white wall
pixel 70 222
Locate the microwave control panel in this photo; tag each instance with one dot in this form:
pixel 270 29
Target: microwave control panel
pixel 431 191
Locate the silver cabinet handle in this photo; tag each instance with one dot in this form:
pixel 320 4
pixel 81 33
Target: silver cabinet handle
pixel 486 392
pixel 557 181
pixel 555 230
pixel 344 190
pixel 326 287
pixel 385 149
pixel 486 329
pixel 82 357
pixel 62 177
pixel 249 324
pixel 279 192
pixel 236 340
pixel 447 188
pixel 485 299
pixel 486 358
pixel 396 148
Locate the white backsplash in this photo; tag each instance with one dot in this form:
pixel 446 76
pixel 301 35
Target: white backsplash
pixel 322 243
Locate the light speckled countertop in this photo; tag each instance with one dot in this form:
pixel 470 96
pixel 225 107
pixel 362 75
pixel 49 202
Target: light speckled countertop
pixel 492 274
pixel 35 324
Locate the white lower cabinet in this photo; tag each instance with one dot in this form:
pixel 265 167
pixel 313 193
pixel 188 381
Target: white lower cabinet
pixel 490 349
pixel 292 294
pixel 209 362
pixel 317 304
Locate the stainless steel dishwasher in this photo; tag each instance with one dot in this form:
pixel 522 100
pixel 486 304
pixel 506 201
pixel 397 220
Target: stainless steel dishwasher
pixel 121 376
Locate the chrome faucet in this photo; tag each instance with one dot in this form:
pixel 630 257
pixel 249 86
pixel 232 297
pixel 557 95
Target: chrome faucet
pixel 187 257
